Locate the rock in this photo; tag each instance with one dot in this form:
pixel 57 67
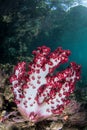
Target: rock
pixel 56 126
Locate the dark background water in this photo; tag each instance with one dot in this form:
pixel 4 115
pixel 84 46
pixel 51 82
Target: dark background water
pixel 75 37
pixel 72 36
pixel 25 25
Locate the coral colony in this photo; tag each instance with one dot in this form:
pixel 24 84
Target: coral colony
pixel 38 92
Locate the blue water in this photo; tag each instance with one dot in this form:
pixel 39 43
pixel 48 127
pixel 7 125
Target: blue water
pixel 76 42
pixel 74 38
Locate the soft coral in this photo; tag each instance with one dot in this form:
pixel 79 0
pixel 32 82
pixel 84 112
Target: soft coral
pixel 39 93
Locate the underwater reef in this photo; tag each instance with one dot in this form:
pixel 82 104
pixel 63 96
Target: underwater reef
pixel 64 117
pixel 24 26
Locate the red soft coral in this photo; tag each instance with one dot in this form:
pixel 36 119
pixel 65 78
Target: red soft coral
pixel 39 93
